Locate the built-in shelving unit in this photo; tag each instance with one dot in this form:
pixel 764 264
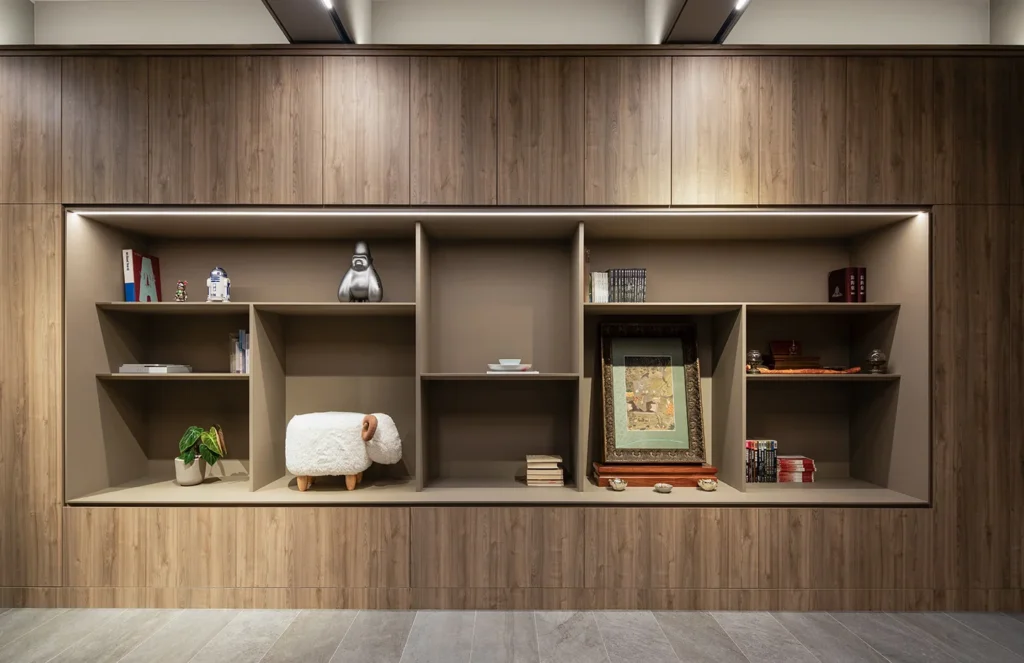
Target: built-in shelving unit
pixel 463 288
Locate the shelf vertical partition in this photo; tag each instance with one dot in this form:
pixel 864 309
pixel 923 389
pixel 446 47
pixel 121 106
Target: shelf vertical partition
pixel 266 398
pixel 729 396
pixel 577 295
pixel 422 348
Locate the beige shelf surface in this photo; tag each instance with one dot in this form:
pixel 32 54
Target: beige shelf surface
pixel 852 377
pixel 175 308
pixel 338 308
pixel 511 377
pixel 171 376
pixel 235 490
pixel 821 307
pixel 657 308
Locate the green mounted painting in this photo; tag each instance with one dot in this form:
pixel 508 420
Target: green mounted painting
pixel 652 405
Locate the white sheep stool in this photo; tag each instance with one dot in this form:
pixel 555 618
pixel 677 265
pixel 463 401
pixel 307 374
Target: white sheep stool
pixel 339 444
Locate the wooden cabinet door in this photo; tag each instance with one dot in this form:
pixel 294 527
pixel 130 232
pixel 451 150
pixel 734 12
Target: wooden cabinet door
pixel 978 104
pixel 29 130
pixel 893 156
pixel 714 130
pixel 105 130
pixel 453 151
pixel 366 130
pixel 628 129
pixel 288 102
pixel 200 110
pixel 540 131
pixel 803 131
pixel 31 370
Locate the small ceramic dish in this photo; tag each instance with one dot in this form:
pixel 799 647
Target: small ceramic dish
pixel 617 484
pixel 663 487
pixel 707 485
pixel 509 362
pixel 510 368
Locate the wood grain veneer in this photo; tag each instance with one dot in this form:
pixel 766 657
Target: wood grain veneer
pixel 31 416
pixel 453 141
pixel 105 130
pixel 628 158
pixel 894 155
pixel 30 124
pixel 540 131
pixel 366 131
pixel 714 131
pixel 802 131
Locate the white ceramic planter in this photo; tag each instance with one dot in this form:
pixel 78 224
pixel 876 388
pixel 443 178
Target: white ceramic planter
pixel 190 475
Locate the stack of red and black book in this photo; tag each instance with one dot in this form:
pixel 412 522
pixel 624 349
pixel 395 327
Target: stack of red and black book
pixel 795 469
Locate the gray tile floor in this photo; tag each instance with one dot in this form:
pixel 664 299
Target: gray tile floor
pixel 350 636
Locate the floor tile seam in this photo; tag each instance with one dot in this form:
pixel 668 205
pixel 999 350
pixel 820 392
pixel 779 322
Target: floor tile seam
pixel 850 631
pixel 86 635
pixel 57 613
pixel 408 636
pixel 147 638
pixel 219 631
pixel 281 634
pixel 798 640
pixel 953 617
pixel 347 631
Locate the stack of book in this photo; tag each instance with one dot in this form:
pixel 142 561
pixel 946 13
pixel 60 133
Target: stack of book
pixel 239 352
pixel 789 355
pixel 795 469
pixel 848 285
pixel 544 471
pixel 619 285
pixel 762 461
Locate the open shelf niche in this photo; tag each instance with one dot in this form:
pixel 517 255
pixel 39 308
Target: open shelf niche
pixel 464 288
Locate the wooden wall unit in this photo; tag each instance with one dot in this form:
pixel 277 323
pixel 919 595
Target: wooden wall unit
pixel 366 131
pixel 105 130
pixel 453 149
pixel 803 131
pixel 30 140
pixel 919 129
pixel 628 124
pixel 540 131
pixel 714 131
pixel 31 417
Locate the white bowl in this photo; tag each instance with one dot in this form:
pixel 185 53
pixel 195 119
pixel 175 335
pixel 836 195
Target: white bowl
pixel 509 362
pixel 663 487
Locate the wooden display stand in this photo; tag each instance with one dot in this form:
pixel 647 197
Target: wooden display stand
pixel 463 288
pixel 645 476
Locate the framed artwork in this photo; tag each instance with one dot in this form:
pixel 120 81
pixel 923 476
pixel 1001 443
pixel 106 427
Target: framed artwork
pixel 651 393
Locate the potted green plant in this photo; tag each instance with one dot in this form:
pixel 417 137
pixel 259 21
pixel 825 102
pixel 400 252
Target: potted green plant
pixel 197 449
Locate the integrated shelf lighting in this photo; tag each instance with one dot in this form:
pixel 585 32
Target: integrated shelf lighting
pixel 741 5
pixel 329 4
pixel 484 213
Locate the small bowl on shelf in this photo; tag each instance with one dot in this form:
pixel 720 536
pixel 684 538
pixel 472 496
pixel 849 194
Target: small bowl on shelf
pixel 663 488
pixel 617 484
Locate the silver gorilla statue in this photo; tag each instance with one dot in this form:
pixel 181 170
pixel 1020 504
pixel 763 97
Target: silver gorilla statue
pixel 361 283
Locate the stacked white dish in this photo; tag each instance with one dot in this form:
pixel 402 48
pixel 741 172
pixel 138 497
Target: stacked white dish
pixel 510 367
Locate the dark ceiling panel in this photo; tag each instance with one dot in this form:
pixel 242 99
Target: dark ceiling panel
pixel 702 22
pixel 308 21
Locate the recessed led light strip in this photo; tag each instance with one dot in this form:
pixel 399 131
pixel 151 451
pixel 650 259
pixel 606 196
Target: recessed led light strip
pixel 486 213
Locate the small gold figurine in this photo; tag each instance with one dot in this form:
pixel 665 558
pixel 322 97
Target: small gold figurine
pixel 180 295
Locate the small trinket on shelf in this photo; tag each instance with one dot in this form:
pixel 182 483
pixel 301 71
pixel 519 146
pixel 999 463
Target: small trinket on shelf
pixel 707 485
pixel 218 286
pixel 878 362
pixel 180 294
pixel 754 361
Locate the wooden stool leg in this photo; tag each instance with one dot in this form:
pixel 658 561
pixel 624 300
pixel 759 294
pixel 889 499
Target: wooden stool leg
pixel 304 483
pixel 350 481
pixel 359 478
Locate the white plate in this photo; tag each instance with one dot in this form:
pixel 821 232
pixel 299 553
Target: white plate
pixel 511 368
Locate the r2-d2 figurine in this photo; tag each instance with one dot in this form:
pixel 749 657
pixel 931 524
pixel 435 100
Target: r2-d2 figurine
pixel 218 286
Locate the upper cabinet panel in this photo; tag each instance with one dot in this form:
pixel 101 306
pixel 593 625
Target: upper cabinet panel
pixel 202 128
pixel 366 130
pixel 714 130
pixel 803 131
pixel 453 149
pixel 105 130
pixel 29 130
pixel 628 129
pixel 540 131
pixel 236 130
pixel 289 123
pixel 895 155
pixel 978 104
